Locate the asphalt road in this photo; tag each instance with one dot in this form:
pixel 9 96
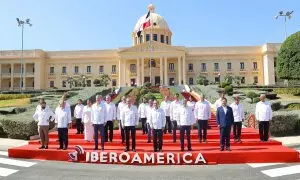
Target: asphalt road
pixel 50 170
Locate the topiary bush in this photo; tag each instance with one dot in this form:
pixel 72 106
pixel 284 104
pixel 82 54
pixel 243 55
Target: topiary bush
pixel 228 90
pixel 256 100
pixel 271 96
pixel 252 95
pixel 224 84
pixel 276 106
pixel 284 124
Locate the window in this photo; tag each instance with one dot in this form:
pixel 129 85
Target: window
pixel 217 79
pixel 171 67
pixel 255 79
pixel 229 66
pixel 216 66
pixel 254 65
pixel 33 69
pixel 9 84
pixel 113 69
pixel 51 70
pixel 64 84
pixel 88 83
pixel 76 69
pixel 147 37
pixel 154 37
pixel 191 68
pixel 191 81
pixel 64 70
pixel 162 38
pixel 243 80
pixel 101 69
pixel 203 67
pixel 51 84
pixel 9 70
pixel 141 39
pixel 89 69
pixel 153 63
pixel 132 68
pixel 275 60
pixel 167 39
pixel 114 82
pixel 242 66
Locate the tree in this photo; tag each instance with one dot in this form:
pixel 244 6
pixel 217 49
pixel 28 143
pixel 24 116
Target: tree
pixel 70 81
pixel 237 80
pixel 252 95
pixel 288 60
pixel 104 80
pixel 200 80
pixel 228 79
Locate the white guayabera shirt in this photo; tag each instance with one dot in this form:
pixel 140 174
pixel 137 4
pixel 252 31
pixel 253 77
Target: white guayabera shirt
pixel 238 112
pixel 157 119
pixel 263 111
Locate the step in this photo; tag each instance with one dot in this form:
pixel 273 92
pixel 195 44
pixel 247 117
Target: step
pixel 212 155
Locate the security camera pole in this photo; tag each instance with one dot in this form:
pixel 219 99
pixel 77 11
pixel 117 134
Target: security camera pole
pixel 21 24
pixel 285 15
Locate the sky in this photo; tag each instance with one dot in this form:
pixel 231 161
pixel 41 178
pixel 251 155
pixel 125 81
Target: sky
pixel 108 24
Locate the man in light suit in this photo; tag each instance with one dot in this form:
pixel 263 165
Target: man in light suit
pixel 225 120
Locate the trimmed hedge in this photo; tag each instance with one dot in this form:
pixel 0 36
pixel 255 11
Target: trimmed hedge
pixel 14 96
pixel 293 91
pixel 276 106
pixel 228 90
pixel 271 96
pixel 285 123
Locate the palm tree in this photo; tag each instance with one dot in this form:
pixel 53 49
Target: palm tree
pixel 228 78
pixel 237 80
pixel 70 81
pixel 104 80
pixel 200 80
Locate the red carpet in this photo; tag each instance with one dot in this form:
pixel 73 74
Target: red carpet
pixel 249 151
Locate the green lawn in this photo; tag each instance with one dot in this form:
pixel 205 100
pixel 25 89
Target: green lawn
pixel 14 102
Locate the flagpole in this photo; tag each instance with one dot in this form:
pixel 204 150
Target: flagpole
pixel 151 38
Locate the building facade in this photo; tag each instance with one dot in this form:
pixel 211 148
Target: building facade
pixel 152 58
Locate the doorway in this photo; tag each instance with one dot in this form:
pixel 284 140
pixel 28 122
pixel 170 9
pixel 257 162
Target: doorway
pixel 157 80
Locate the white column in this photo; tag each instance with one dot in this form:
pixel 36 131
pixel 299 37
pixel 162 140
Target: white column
pixel 124 72
pixel 269 70
pixel 0 76
pixel 184 69
pixel 143 70
pixel 120 73
pixel 138 71
pixel 179 71
pixel 12 76
pixel 161 71
pixel 166 71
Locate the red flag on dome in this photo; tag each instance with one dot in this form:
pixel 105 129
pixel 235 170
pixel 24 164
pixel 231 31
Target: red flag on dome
pixel 146 23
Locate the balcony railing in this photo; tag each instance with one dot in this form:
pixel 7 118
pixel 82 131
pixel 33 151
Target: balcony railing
pixel 190 70
pixel 113 72
pixel 171 70
pixel 51 74
pixel 6 74
pixel 101 73
pixel 132 73
pixel 203 70
pixel 255 69
pixel 64 74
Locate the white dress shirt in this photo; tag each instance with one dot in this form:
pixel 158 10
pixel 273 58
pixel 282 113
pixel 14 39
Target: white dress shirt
pixel 39 107
pixel 191 104
pixel 148 109
pixel 174 110
pixel 78 111
pixel 110 111
pixel 224 109
pixel 87 114
pixel 99 113
pixel 218 103
pixel 42 116
pixel 263 111
pixel 142 110
pixel 165 105
pixel 121 105
pixel 238 112
pixel 202 110
pixel 62 117
pixel 129 116
pixel 157 118
pixel 185 116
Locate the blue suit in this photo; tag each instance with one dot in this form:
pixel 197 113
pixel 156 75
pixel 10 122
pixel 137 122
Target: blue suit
pixel 225 121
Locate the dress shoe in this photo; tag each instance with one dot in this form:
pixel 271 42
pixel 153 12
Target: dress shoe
pixel 65 148
pixel 42 147
pixel 148 141
pixel 60 148
pixel 182 150
pixel 126 150
pixel 155 150
pixel 46 147
pixel 77 133
pixel 190 149
pixel 228 149
pixel 102 149
pixel 161 150
pixel 200 141
pixel 95 148
pixel 221 149
pixel 205 141
pixel 133 150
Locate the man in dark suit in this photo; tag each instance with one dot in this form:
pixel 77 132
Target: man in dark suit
pixel 225 120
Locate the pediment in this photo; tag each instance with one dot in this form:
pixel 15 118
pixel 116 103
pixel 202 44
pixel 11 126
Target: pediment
pixel 152 47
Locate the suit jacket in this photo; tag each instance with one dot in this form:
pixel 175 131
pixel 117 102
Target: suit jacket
pixel 225 120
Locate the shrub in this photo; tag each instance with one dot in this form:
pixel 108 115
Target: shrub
pixel 293 91
pixel 147 84
pixel 284 123
pixel 271 96
pixel 149 96
pixel 228 89
pixel 293 106
pixel 252 95
pixel 224 84
pixel 276 106
pixel 144 91
pixel 256 100
pixel 14 96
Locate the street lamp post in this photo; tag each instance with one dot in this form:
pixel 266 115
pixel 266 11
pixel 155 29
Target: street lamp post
pixel 21 24
pixel 286 15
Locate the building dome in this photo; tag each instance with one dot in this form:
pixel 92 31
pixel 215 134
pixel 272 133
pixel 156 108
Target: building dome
pixel 159 29
pixel 157 20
